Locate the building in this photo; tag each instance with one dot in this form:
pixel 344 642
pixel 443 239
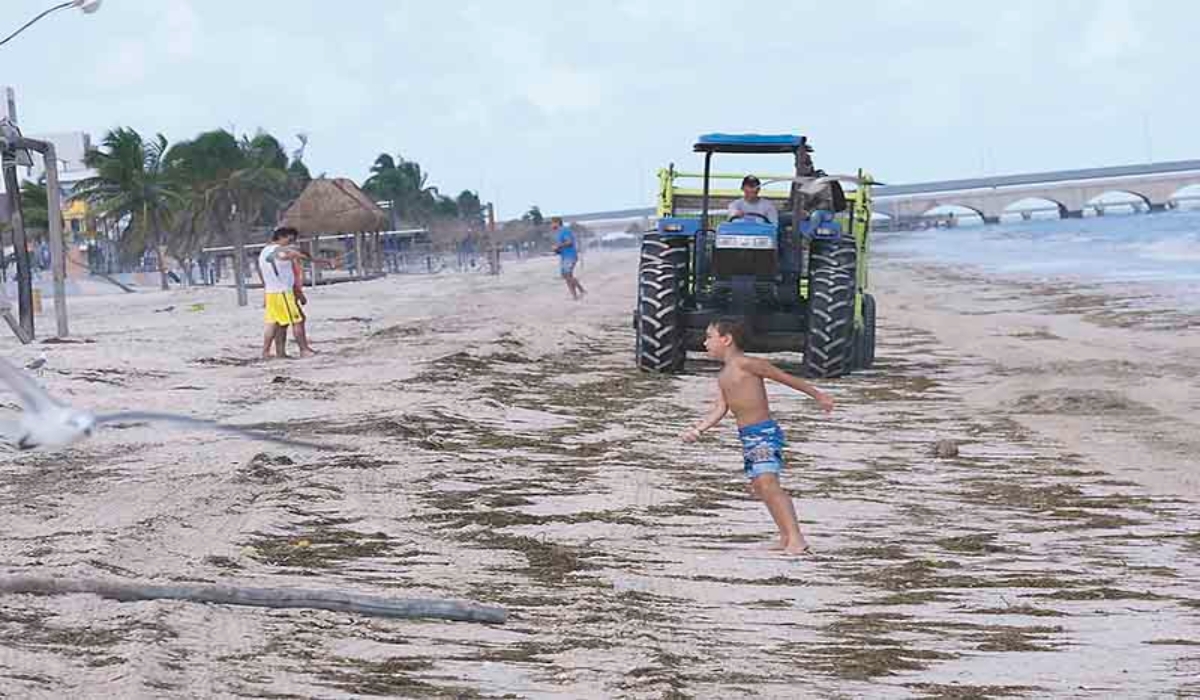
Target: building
pixel 79 224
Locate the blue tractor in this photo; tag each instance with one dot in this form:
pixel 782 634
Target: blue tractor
pixel 799 283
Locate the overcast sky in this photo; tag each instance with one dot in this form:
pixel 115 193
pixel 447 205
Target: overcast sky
pixel 572 106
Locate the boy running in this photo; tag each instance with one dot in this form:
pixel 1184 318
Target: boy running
pixel 741 389
pixel 566 249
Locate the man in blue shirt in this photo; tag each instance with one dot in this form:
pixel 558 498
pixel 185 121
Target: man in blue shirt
pixel 568 253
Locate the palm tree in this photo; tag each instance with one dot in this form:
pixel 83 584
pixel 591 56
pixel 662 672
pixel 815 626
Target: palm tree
pixel 132 184
pixel 403 185
pixel 235 185
pixel 35 206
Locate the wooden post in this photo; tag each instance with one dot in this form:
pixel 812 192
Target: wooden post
pixel 239 267
pixel 58 259
pixel 20 247
pixel 359 266
pixel 315 251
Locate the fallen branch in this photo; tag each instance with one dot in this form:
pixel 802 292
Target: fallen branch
pixel 260 597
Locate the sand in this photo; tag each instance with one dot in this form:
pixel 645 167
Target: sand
pixel 498 446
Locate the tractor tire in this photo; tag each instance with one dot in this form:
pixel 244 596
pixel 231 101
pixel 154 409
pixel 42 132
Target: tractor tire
pixel 864 336
pixel 673 251
pixel 659 320
pixel 829 344
pixel 868 354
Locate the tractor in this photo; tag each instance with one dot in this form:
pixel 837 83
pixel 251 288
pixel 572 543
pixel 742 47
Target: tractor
pixel 799 284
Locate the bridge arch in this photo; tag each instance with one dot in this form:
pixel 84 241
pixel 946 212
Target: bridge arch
pixel 953 210
pixel 1033 207
pixel 1187 197
pixel 1118 199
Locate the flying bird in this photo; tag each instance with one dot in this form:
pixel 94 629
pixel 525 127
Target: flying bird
pixel 47 423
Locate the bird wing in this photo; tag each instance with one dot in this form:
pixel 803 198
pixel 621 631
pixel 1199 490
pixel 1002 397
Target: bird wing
pixel 141 416
pixel 33 397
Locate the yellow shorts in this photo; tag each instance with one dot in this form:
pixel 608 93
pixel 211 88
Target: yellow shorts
pixel 282 309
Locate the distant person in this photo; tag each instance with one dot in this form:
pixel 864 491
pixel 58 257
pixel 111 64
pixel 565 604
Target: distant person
pixel 741 389
pixel 751 203
pixel 276 270
pixel 567 249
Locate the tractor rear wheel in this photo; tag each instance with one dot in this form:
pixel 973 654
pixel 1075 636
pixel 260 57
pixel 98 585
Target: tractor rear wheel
pixel 829 346
pixel 868 331
pixel 864 336
pixel 658 324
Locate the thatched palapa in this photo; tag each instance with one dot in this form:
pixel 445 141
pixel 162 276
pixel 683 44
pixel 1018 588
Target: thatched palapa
pixel 334 206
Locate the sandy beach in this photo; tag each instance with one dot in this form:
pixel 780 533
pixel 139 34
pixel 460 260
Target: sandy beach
pixel 497 445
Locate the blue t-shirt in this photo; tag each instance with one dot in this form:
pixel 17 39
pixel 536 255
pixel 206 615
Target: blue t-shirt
pixel 566 239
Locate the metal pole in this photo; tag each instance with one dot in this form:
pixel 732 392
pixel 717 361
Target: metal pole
pixel 58 262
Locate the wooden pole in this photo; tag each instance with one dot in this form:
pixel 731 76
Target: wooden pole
pixel 315 251
pixel 359 267
pixel 58 259
pixel 239 267
pixel 20 246
pixel 337 601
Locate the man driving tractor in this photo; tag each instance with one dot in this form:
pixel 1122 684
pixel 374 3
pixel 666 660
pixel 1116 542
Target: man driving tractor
pixel 751 204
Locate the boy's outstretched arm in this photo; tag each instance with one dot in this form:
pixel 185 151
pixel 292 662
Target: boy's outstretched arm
pixel 714 416
pixel 766 370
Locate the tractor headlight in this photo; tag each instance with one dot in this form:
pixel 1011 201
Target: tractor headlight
pixel 672 228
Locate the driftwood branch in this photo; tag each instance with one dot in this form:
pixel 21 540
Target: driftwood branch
pixel 260 597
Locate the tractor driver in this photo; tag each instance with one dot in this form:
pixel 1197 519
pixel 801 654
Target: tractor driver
pixel 751 204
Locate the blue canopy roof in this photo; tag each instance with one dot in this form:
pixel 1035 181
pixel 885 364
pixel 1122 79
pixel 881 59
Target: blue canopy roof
pixel 750 143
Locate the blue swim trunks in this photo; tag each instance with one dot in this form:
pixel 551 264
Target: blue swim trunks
pixel 762 448
pixel 567 265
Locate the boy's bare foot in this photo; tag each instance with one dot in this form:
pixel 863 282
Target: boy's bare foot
pixel 798 549
pixel 778 546
pixel 307 353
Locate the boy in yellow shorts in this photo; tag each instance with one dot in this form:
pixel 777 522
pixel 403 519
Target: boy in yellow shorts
pixel 279 281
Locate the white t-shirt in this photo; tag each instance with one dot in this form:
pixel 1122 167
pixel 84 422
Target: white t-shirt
pixel 277 274
pixel 763 206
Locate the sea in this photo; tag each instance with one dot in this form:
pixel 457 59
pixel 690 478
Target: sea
pixel 1154 256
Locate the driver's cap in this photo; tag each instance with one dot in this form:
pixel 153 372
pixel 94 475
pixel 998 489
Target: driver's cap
pixel 751 180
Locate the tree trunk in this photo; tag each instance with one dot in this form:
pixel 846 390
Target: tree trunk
pixel 239 265
pixel 188 278
pixel 160 249
pixel 317 599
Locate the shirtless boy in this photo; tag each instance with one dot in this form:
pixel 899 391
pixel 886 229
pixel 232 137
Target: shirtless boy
pixel 742 391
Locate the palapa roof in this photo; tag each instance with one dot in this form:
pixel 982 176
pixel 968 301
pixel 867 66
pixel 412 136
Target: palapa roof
pixel 334 206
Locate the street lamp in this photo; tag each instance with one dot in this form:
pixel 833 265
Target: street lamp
pixel 86 6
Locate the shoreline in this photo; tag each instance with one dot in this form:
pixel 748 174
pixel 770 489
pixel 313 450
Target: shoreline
pixel 1078 363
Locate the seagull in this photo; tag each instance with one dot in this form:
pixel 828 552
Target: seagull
pixel 48 424
pixel 37 364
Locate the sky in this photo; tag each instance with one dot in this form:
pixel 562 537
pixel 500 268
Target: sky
pixel 573 106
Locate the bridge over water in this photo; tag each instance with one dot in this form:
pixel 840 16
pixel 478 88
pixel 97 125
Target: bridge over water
pixel 1157 185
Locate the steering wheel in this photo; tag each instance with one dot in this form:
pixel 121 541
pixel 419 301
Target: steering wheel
pixel 744 214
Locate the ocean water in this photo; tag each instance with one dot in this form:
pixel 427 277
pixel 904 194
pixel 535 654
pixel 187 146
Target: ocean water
pixel 1157 255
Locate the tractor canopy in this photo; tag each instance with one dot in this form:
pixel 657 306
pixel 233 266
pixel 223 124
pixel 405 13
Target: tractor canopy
pixel 750 143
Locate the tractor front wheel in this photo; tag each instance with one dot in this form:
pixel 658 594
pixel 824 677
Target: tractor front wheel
pixel 829 346
pixel 658 323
